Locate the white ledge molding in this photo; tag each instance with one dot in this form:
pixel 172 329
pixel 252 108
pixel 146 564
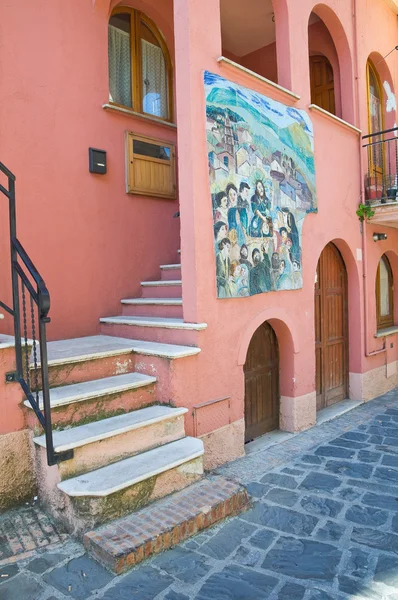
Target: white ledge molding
pixel 226 61
pixel 329 115
pixel 387 331
pixel 131 113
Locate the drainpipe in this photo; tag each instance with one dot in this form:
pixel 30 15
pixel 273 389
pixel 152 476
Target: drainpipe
pixel 362 187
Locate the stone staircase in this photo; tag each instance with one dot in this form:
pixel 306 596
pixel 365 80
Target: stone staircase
pixel 112 404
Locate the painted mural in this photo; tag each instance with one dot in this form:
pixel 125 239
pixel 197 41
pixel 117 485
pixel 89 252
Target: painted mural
pixel 262 182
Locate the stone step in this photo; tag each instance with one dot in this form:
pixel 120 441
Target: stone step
pixel 124 543
pixel 156 329
pixel 152 307
pixel 99 398
pixel 170 272
pixel 94 357
pixel 117 489
pixel 162 289
pixel 103 442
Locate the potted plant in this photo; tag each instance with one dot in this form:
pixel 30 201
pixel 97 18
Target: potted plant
pixel 365 212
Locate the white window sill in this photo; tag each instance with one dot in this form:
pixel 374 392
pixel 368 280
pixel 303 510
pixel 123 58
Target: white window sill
pixel 386 332
pixel 329 115
pixel 290 95
pixel 131 113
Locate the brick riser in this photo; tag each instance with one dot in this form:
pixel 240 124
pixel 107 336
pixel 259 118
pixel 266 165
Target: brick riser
pixel 95 409
pixel 121 545
pixel 170 274
pixel 162 291
pixel 164 335
pixel 79 514
pixel 152 310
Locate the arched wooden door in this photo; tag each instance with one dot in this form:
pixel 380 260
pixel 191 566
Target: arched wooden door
pixel 322 83
pixel 331 328
pixel 262 383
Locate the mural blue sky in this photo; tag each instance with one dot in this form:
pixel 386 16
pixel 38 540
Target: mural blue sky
pixel 262 184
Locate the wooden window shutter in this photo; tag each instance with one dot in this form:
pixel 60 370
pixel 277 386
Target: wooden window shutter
pixel 150 167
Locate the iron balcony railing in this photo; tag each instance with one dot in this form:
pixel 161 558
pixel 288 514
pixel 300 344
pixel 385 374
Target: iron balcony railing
pixel 30 291
pixel 381 180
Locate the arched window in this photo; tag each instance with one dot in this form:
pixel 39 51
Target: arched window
pixel 140 75
pixel 375 116
pixel 384 294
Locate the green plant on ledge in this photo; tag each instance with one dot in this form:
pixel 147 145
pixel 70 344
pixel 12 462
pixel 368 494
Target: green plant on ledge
pixel 365 212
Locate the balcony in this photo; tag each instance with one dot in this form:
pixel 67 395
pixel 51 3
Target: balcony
pixel 381 180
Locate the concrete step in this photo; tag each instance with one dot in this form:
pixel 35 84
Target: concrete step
pixel 152 307
pixel 71 404
pixel 170 272
pixel 129 484
pixel 103 442
pixel 83 359
pixel 157 329
pixel 162 289
pixel 94 357
pixel 124 543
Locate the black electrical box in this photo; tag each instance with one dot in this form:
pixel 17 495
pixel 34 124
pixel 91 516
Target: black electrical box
pixel 97 161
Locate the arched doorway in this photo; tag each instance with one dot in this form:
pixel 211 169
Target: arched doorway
pixel 322 83
pixel 262 383
pixel 331 328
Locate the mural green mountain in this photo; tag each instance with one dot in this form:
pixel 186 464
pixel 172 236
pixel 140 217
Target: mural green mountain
pixel 293 136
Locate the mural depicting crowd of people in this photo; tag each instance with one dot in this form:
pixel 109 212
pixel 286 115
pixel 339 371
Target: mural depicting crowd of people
pixel 262 186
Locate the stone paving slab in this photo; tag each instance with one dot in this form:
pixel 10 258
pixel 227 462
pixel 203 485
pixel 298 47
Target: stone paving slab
pixel 323 526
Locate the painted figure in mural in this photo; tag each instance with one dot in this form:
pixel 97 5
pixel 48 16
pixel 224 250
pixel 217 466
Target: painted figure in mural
pixel 290 224
pixel 297 277
pixel 242 283
pixel 244 253
pixel 283 282
pixel 223 269
pixel 275 269
pixel 260 209
pixel 220 231
pixel 234 221
pixel 260 277
pixel 235 248
pixel 244 207
pixel 221 213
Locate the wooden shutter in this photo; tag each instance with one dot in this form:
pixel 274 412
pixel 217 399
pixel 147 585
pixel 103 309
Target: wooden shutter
pixel 322 83
pixel 150 167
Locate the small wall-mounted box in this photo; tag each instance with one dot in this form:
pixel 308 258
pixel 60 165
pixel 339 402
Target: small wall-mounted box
pixel 97 161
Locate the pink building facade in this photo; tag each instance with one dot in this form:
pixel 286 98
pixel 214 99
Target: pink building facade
pixel 253 362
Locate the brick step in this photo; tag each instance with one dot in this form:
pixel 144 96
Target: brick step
pixel 170 272
pixel 162 289
pixel 96 399
pixel 129 484
pixel 128 541
pixel 152 307
pixel 103 442
pixel 156 329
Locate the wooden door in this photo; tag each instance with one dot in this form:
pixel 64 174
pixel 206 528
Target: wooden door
pixel 262 383
pixel 322 83
pixel 331 328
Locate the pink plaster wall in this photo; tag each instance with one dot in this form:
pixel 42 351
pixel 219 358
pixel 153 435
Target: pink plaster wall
pixel 92 242
pixel 231 322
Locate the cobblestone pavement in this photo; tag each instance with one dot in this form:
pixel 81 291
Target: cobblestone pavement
pixel 323 526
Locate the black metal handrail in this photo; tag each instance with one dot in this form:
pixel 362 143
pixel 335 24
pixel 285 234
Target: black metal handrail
pixel 381 182
pixel 30 373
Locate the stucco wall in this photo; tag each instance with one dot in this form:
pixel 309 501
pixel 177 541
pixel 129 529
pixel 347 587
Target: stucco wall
pixel 17 481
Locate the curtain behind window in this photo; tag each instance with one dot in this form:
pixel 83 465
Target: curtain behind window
pixel 119 66
pixel 154 80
